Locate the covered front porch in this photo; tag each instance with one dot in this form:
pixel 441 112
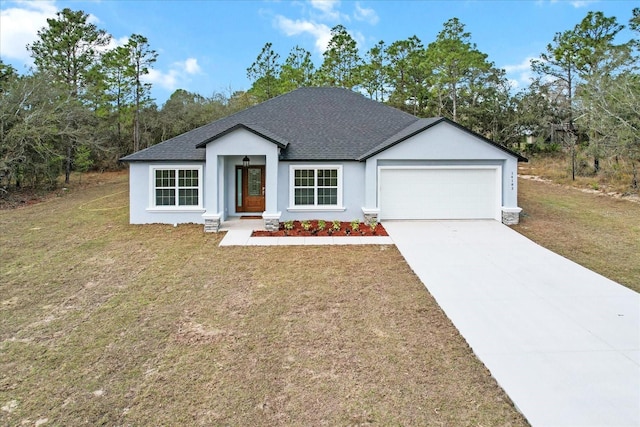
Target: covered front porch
pixel 242 179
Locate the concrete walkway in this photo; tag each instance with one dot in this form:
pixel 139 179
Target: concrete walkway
pixel 562 341
pixel 239 234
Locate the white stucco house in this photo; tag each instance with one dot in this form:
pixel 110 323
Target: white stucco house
pixel 323 153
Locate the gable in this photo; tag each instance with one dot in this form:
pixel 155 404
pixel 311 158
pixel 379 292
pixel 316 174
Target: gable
pixel 439 138
pixel 444 142
pixel 256 130
pixel 240 141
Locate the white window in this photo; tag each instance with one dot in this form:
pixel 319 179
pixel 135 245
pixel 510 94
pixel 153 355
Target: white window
pixel 315 187
pixel 176 187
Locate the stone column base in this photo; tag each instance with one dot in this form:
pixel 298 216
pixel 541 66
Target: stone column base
pixel 271 221
pixel 371 215
pixel 511 216
pixel 212 222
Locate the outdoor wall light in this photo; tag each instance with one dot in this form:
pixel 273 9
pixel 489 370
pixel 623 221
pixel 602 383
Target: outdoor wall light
pixel 245 161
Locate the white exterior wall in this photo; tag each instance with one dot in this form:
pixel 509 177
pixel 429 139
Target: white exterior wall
pixel 444 145
pixel 441 145
pixel 141 210
pixel 352 192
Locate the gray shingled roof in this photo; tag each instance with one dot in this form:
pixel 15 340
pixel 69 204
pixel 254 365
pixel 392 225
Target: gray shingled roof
pixel 314 123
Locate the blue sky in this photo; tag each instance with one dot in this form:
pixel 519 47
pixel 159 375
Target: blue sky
pixel 205 46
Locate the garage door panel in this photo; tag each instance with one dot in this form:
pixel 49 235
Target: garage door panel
pixel 420 193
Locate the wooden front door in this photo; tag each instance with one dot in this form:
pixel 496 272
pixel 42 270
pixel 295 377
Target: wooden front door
pixel 250 189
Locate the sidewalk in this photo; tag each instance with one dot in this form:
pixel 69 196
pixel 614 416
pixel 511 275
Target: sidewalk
pixel 242 237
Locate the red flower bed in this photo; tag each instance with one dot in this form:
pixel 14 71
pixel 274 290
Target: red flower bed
pixel 346 229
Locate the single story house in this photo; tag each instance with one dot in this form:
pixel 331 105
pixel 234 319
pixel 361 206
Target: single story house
pixel 323 153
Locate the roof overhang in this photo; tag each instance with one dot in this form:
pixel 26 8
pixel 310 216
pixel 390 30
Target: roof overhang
pixel 255 129
pixel 174 160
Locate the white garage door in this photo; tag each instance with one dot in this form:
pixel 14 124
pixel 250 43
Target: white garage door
pixel 440 193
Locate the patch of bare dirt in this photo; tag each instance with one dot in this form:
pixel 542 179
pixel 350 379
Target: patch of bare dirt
pixel 634 198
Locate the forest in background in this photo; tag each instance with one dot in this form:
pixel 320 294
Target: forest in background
pixel 84 106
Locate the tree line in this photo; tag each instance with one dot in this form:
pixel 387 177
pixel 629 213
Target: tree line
pixel 85 105
pixel 584 97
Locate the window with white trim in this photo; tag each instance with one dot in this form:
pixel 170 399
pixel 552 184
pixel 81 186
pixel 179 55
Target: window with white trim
pixel 177 187
pixel 316 186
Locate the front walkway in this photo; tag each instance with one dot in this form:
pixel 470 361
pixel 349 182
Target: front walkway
pixel 239 234
pixel 561 340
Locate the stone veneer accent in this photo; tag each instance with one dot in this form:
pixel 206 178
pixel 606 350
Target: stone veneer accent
pixel 511 216
pixel 370 215
pixel 271 221
pixel 211 223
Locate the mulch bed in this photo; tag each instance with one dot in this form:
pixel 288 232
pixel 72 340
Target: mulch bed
pixel 312 229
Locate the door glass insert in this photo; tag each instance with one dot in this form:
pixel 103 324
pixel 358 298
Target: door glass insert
pixel 254 182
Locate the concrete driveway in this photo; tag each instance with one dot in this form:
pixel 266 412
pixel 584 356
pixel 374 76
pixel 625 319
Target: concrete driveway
pixel 561 340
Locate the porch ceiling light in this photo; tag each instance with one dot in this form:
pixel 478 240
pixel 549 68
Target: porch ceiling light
pixel 245 161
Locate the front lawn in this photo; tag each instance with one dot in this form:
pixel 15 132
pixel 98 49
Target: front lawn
pixel 104 323
pixel 595 230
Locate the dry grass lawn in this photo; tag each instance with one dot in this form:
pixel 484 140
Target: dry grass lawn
pixel 615 176
pixel 597 231
pixel 104 323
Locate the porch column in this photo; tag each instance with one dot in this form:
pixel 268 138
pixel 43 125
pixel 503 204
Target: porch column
pixel 370 209
pixel 271 214
pixel 214 180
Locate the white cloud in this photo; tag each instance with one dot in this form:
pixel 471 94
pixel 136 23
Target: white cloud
pixel 113 43
pixel 575 3
pixel 168 80
pixel 93 19
pixel 327 7
pixel 314 25
pixel 176 76
pixel 520 75
pixel 327 10
pixel 523 66
pixel 582 3
pixel 191 66
pixel 19 27
pixel 366 14
pixel 321 32
pixel 358 37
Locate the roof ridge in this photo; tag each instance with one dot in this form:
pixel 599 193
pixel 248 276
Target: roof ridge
pixel 315 122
